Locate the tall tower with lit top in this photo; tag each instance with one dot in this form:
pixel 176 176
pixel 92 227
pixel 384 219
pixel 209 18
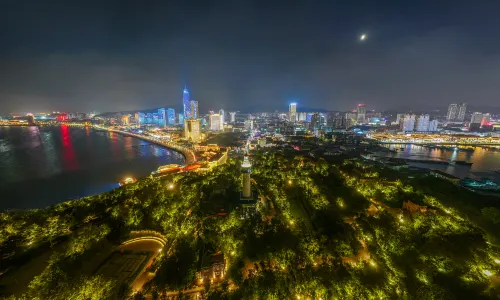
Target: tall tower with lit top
pixel 246 170
pixel 186 104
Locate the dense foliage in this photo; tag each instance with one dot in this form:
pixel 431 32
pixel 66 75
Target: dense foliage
pixel 320 230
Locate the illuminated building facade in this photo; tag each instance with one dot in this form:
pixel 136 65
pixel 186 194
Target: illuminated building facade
pixel 233 116
pixel 452 112
pixel 222 116
pixel 361 113
pixel 162 117
pixel 216 122
pixel 462 110
pixel 292 112
pixel 194 109
pixel 171 116
pixel 186 104
pixel 192 130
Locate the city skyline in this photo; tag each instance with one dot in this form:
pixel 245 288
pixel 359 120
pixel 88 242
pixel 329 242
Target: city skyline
pixel 138 60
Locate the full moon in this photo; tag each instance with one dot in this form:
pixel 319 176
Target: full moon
pixel 362 37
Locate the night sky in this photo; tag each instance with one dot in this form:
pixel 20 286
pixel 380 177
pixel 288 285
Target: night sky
pixel 247 55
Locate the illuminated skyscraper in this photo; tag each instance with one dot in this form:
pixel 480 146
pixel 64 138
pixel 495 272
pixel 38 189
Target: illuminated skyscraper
pixel 171 116
pixel 162 117
pixel 408 123
pixel 194 109
pixel 233 116
pixel 181 118
pixel 215 122
pixel 361 113
pixel 222 116
pixel 462 109
pixel 292 112
pixel 422 123
pixel 192 130
pixel 186 104
pixel 452 112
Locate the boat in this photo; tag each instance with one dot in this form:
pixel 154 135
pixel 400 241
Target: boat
pixel 462 163
pixel 127 180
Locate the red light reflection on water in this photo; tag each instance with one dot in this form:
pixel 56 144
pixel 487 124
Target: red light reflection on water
pixel 69 156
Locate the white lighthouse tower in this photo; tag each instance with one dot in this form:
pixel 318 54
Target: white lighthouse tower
pixel 246 170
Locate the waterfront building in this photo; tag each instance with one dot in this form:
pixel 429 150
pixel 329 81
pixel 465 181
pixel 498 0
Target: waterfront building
pixel 192 130
pixel 422 123
pixel 452 112
pixel 171 116
pixel 361 113
pixel 462 109
pixel 292 112
pixel 433 125
pixel 162 117
pixel 194 109
pixel 186 104
pixel 408 123
pixel 477 118
pixel 216 122
pixel 136 118
pixel 399 118
pixel 233 117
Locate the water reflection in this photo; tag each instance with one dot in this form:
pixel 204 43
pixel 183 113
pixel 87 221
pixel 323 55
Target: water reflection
pixel 46 165
pixel 484 161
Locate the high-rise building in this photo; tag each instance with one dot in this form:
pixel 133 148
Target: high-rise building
pixel 246 170
pixel 162 117
pixel 361 116
pixel 136 118
pixel 194 109
pixel 171 116
pixel 292 112
pixel 315 122
pixel 422 123
pixel 125 119
pixel 249 125
pixel 477 118
pixel 485 120
pixel 408 123
pixel 186 104
pixel 233 117
pixel 192 130
pixel 215 122
pixel 399 117
pixel 462 110
pixel 302 116
pixel 142 118
pixel 350 120
pixel 452 112
pixel 222 116
pixel 433 126
pixel 181 118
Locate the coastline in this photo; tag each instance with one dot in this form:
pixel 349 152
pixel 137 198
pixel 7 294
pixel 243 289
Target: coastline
pixel 70 184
